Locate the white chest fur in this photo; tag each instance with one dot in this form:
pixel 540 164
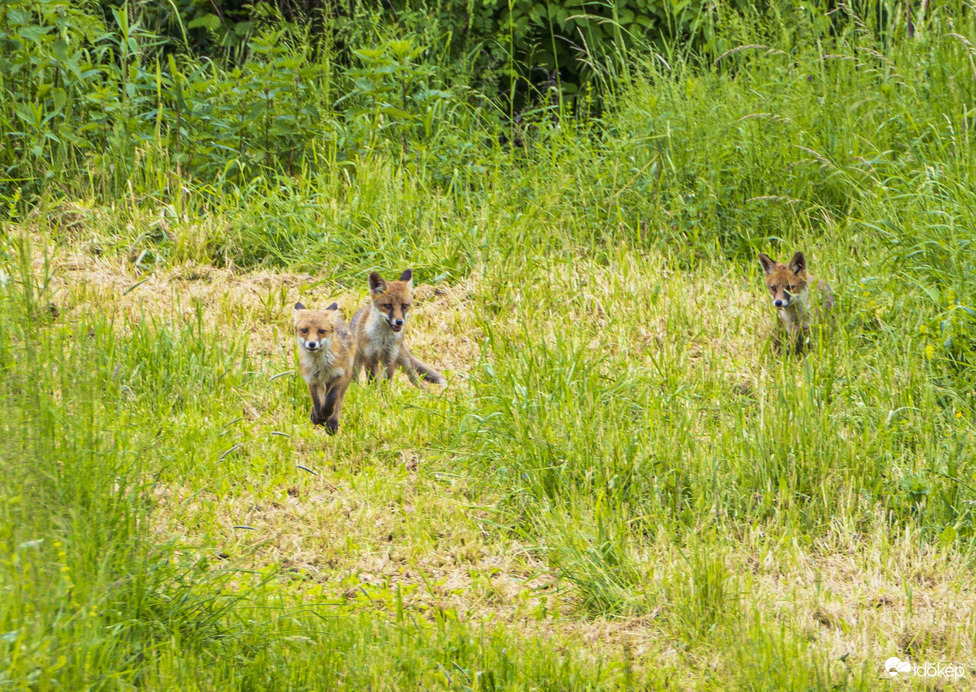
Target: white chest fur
pixel 794 317
pixel 382 340
pixel 320 364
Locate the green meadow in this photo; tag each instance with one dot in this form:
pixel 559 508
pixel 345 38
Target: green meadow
pixel 623 484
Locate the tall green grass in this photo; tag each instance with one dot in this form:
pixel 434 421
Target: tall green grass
pixel 95 597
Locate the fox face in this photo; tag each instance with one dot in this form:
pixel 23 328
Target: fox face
pixel 786 282
pixel 392 299
pixel 314 328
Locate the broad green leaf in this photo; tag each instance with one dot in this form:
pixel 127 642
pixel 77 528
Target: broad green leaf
pixel 211 22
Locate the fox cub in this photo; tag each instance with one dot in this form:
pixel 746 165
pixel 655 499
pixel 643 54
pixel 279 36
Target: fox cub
pixel 378 329
pixel 326 352
pixel 789 285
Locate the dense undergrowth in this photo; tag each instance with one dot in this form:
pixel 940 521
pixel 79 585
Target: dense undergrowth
pixel 618 433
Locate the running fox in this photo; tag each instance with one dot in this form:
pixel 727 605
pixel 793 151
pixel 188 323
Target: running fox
pixel 378 330
pixel 326 352
pixel 789 285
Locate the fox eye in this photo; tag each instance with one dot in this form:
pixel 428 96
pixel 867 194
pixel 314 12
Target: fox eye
pixel 304 330
pixel 406 306
pixel 790 288
pixel 321 331
pixel 772 289
pixel 387 306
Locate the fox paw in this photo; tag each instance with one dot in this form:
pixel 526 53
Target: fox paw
pixel 332 426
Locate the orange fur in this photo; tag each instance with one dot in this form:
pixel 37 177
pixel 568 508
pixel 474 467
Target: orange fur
pixel 789 287
pixel 378 329
pixel 326 355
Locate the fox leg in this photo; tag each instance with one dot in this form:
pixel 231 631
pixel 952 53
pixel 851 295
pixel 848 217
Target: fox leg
pixel 316 417
pixel 333 406
pixel 372 371
pixel 328 413
pixel 794 339
pixel 328 403
pixel 391 368
pixel 800 341
pixel 791 343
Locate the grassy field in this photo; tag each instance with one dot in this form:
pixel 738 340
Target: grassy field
pixel 622 486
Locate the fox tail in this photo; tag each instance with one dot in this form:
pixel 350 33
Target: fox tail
pixel 426 372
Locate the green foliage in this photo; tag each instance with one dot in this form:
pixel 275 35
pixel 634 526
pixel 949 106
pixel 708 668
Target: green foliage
pixel 579 39
pixel 111 102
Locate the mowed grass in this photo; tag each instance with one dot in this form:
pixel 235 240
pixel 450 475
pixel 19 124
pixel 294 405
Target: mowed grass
pixel 623 484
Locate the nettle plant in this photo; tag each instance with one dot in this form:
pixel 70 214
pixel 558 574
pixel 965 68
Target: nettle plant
pixel 390 96
pixel 574 37
pixel 51 79
pixel 263 114
pixel 106 95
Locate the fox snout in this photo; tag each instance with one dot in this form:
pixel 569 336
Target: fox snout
pixel 783 302
pixel 396 324
pixel 313 345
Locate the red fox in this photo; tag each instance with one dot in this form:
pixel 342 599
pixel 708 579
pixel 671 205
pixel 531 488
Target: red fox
pixel 789 285
pixel 326 353
pixel 378 329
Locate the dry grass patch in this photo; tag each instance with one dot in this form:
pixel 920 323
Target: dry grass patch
pixel 339 536
pixel 256 303
pixel 388 522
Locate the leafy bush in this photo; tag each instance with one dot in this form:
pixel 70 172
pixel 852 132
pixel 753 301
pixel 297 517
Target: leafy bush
pixel 110 101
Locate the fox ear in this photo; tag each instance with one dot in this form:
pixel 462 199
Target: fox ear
pixel 376 283
pixel 407 275
pixel 334 306
pixel 798 263
pixel 299 306
pixel 767 264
